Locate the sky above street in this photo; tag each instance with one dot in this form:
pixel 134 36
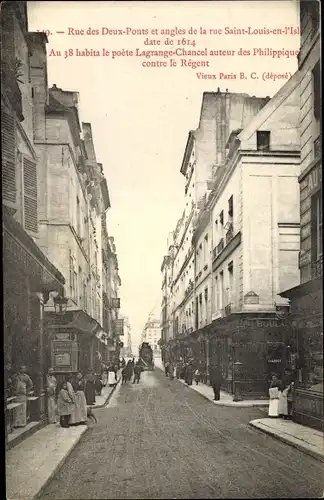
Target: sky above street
pixel 141 116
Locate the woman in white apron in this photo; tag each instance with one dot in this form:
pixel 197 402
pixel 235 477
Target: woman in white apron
pixel 111 377
pixel 274 393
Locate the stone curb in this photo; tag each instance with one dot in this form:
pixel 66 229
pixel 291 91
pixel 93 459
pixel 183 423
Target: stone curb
pixel 229 404
pixel 59 465
pixel 291 441
pixel 95 407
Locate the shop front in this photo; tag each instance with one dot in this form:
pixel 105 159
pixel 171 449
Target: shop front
pixel 72 345
pixel 307 323
pixel 28 278
pixel 249 348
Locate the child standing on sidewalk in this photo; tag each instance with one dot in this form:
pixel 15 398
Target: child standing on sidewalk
pixel 65 405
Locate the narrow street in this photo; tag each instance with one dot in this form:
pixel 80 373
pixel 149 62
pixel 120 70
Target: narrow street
pixel 160 439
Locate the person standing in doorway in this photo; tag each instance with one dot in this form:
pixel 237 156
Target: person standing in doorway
pixel 215 379
pixel 51 385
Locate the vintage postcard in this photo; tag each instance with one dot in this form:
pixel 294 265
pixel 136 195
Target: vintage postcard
pixel 162 249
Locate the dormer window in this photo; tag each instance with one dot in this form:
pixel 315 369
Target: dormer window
pixel 263 140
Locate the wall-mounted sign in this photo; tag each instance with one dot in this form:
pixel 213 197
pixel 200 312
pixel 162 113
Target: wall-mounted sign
pixel 119 326
pixel 312 182
pixel 115 303
pixel 251 298
pixel 64 355
pixel 62 336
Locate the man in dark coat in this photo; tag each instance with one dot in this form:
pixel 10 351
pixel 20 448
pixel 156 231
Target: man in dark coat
pixel 189 373
pixel 215 379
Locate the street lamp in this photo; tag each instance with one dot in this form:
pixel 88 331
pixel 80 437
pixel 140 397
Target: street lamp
pixel 60 304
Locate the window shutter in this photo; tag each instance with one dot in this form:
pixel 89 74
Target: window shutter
pixel 9 189
pixel 30 194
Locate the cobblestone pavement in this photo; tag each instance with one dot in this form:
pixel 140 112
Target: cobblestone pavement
pixel 160 439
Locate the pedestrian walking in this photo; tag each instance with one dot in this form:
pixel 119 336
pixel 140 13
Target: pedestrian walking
pixel 22 387
pixel 51 385
pixel 197 376
pixel 215 379
pixel 123 363
pixel 189 373
pixel 166 369
pixel 178 370
pixel 98 385
pixel 124 375
pixel 171 370
pixel 90 391
pixel 129 369
pixel 65 405
pixel 137 373
pixel 274 393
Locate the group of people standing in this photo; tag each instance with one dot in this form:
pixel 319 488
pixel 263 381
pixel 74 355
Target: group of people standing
pixel 189 372
pixel 132 369
pixel 71 398
pixel 280 395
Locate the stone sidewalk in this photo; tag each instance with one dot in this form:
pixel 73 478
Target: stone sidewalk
pixel 38 458
pixel 33 462
pixel 304 438
pixel 106 393
pixel 225 399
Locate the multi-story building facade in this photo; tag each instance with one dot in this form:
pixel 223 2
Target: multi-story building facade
pixel 254 220
pixel 167 299
pixel 307 298
pixel 152 334
pixel 28 275
pixel 205 151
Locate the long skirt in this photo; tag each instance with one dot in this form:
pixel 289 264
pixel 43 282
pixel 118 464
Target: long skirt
pixel 104 379
pixel 20 419
pixel 81 406
pixel 90 393
pixel 51 407
pixel 283 403
pixel 274 408
pixel 111 378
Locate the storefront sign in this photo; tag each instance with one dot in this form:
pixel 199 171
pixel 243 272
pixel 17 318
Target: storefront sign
pixel 62 336
pixel 64 355
pixel 311 183
pixel 251 298
pixel 119 326
pixel 263 323
pixel 115 303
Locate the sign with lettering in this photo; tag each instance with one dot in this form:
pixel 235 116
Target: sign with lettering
pixel 64 355
pixel 115 303
pixel 312 182
pixel 251 298
pixel 119 326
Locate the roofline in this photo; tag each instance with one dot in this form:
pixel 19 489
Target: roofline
pixel 186 154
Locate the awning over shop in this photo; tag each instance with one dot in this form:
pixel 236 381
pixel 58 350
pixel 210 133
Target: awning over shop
pixel 74 320
pixel 20 250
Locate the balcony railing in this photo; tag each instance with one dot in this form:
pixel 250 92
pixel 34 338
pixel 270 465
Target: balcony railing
pixel 220 246
pixel 317 268
pixel 317 148
pixel 229 235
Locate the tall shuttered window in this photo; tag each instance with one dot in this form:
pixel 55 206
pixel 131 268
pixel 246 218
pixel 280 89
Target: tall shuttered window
pixel 30 194
pixel 9 187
